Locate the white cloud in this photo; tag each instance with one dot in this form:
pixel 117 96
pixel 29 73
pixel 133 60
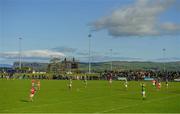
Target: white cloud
pixel 32 54
pixel 168 26
pixel 140 18
pixel 64 49
pixel 98 58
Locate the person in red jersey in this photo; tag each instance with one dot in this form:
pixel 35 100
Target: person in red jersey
pixel 32 92
pixel 110 79
pixel 33 83
pixel 153 82
pixel 159 85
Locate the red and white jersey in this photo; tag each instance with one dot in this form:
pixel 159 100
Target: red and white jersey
pixel 32 90
pixel 33 81
pixel 110 80
pixel 159 84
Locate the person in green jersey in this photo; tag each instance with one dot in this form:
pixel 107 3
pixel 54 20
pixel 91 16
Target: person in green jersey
pixel 166 83
pixel 70 84
pixel 126 84
pixel 85 82
pixel 143 91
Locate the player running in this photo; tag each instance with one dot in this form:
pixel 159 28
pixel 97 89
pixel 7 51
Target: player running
pixel 167 83
pixel 70 84
pixel 110 80
pixel 154 82
pixel 85 82
pixel 32 92
pixel 38 84
pixel 159 85
pixel 33 83
pixel 143 91
pixel 126 84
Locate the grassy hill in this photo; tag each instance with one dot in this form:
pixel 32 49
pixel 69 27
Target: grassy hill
pixel 124 65
pixel 118 65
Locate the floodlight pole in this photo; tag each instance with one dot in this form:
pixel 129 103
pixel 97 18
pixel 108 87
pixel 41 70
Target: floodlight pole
pixel 70 65
pixel 20 55
pixel 164 50
pixel 89 53
pixel 111 59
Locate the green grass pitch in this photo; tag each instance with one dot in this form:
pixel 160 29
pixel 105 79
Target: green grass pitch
pixel 98 97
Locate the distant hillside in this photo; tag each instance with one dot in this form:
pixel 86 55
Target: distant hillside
pixel 5 66
pixel 34 65
pixel 124 65
pixel 117 65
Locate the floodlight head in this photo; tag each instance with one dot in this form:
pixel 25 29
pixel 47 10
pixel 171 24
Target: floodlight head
pixel 89 35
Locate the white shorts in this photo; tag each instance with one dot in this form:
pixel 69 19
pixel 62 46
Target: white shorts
pixel 143 93
pixel 31 95
pixel 110 81
pixel 154 84
pixel 126 86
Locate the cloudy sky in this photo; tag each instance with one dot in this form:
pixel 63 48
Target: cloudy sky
pixel 135 30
